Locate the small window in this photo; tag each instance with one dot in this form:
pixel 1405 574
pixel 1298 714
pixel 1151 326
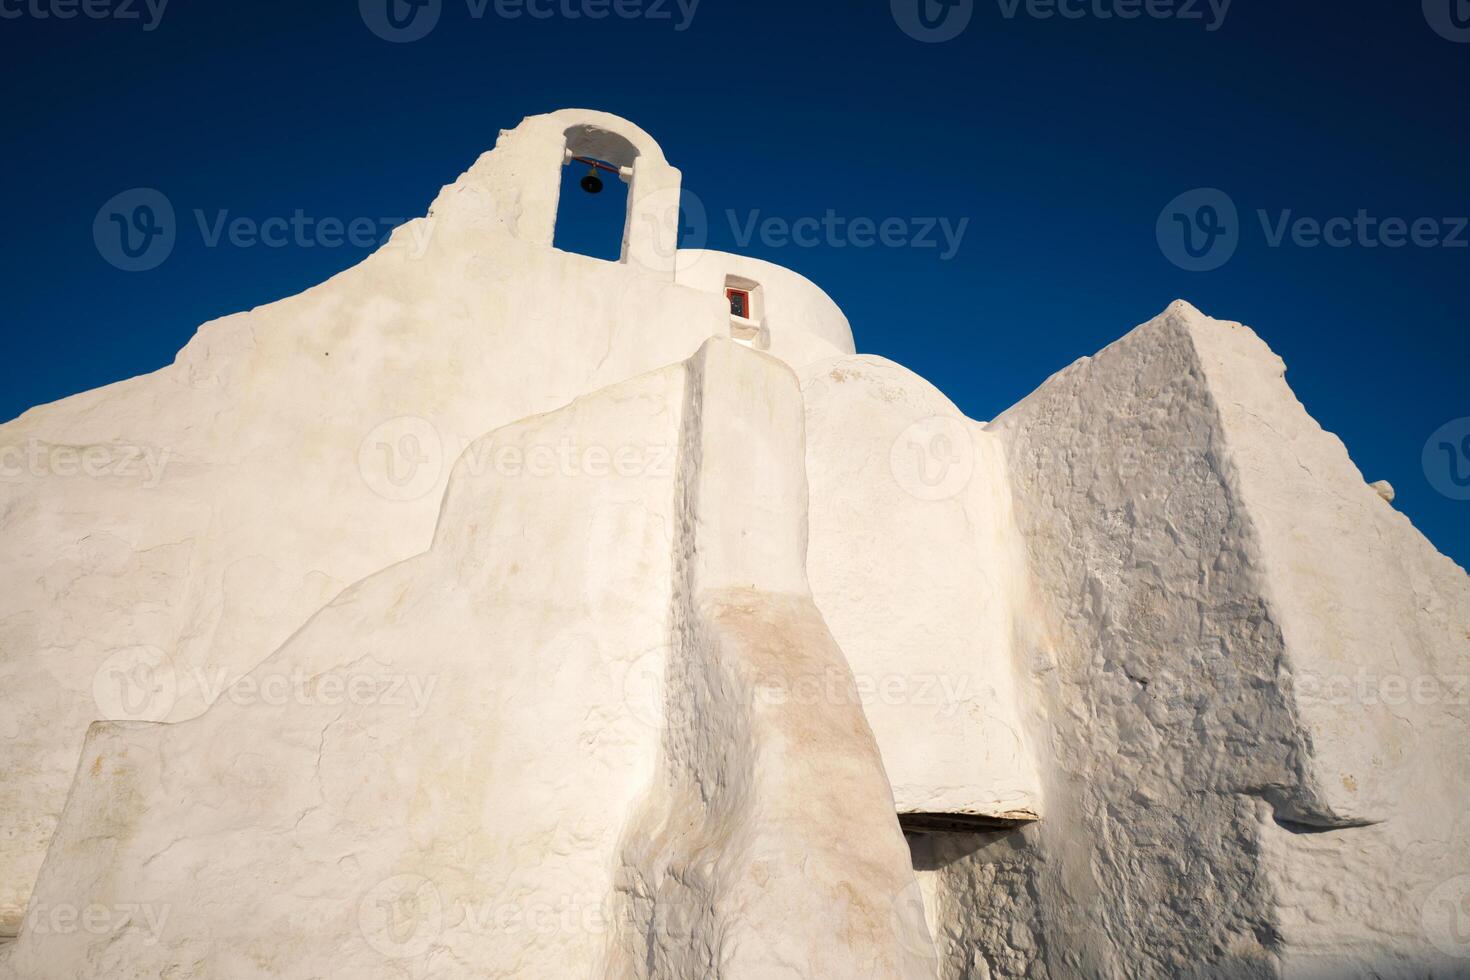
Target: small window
pixel 747 312
pixel 739 303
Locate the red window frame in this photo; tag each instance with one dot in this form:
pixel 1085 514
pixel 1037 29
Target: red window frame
pixel 744 295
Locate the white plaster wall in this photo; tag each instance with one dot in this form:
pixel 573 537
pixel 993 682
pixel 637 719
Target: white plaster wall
pixel 772 825
pixel 1144 579
pixel 802 322
pixel 536 809
pixel 1377 630
pixel 465 830
pixel 276 437
pixel 911 562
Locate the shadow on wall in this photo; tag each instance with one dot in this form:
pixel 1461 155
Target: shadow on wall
pixel 1232 968
pixel 935 852
pixel 941 852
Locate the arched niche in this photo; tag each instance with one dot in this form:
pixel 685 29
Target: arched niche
pixel 595 225
pixel 524 177
pixel 651 226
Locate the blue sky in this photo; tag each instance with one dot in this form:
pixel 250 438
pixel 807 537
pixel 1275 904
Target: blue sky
pixel 1048 136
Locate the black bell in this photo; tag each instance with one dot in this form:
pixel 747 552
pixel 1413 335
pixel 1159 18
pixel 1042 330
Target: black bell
pixel 592 183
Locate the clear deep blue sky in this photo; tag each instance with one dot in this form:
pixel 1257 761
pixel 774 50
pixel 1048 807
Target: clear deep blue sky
pixel 1060 139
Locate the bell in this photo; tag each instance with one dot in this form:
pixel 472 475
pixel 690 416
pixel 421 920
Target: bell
pixel 592 183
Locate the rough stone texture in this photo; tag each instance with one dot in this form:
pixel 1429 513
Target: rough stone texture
pixel 1377 632
pixel 474 829
pixel 1203 559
